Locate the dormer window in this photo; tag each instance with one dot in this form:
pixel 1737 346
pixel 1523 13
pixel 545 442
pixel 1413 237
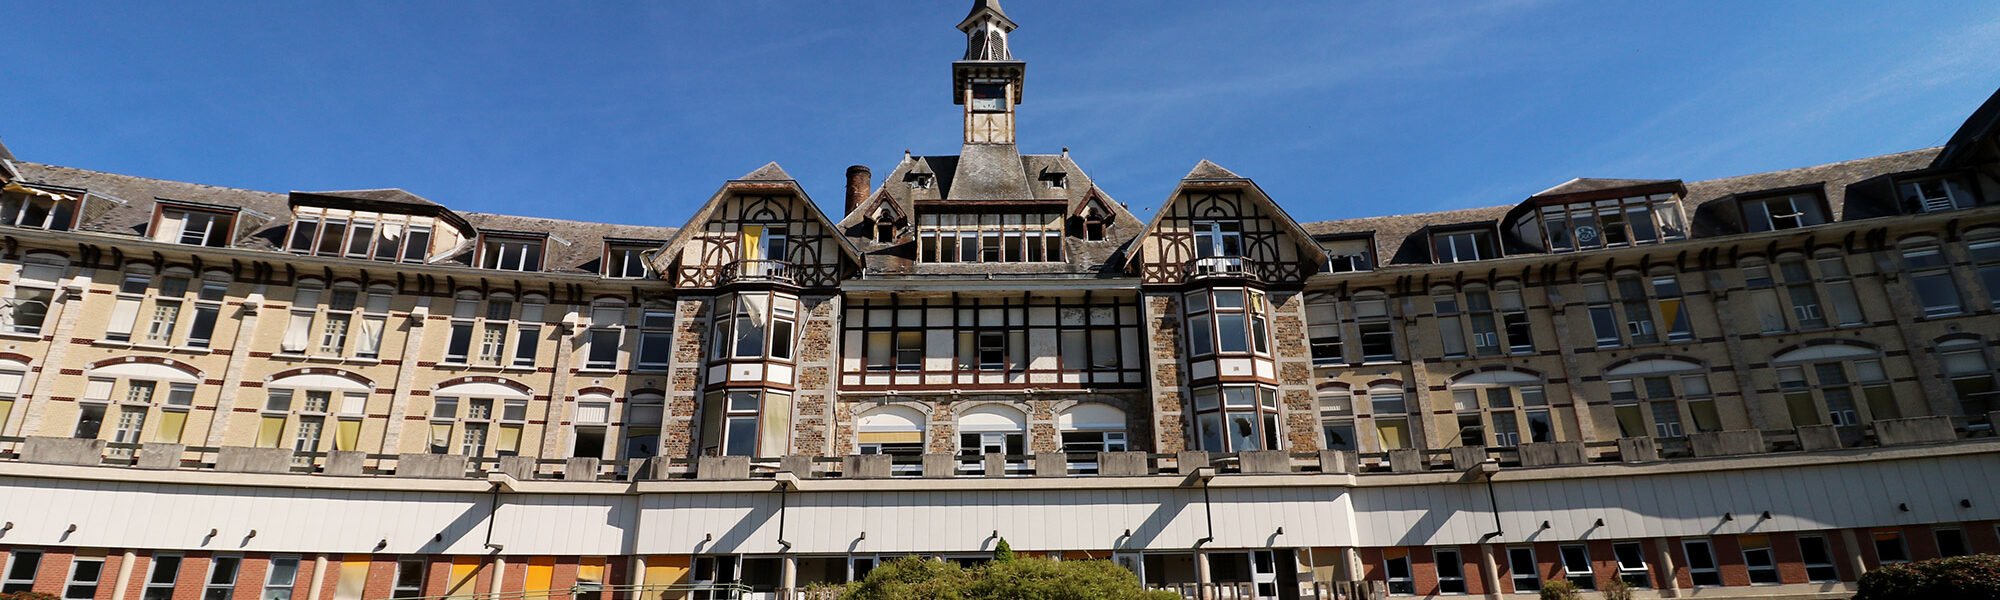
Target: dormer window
pixel 885 232
pixel 36 209
pixel 989 97
pixel 1613 223
pixel 625 262
pixel 1790 211
pixel 920 181
pixel 1463 246
pixel 1056 180
pixel 194 227
pixel 360 235
pixel 1346 255
pixel 1936 194
pixel 510 253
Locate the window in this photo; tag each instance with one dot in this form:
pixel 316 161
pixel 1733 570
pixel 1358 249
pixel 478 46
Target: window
pixel 194 227
pixel 1323 329
pixel 1240 322
pixel 279 577
pixel 341 321
pixel 1951 542
pixel 84 574
pixel 1701 563
pixel 1970 374
pixel 625 262
pixel 221 583
pixel 32 208
pixel 1391 415
pixel 372 236
pixel 1492 333
pixel 480 333
pixel 1218 238
pixel 1396 568
pixel 1831 388
pixel 409 579
pixel 656 338
pixel 1818 559
pixel 34 290
pixel 1653 404
pixel 1758 559
pixel 1889 547
pixel 1522 569
pixel 1336 417
pixel 990 237
pixel 477 426
pixel 307 411
pixel 1378 336
pixel 89 421
pixel 1237 418
pixel 1764 299
pixel 1930 277
pixel 763 325
pixel 1839 287
pixel 1576 567
pixel 164 571
pixel 986 340
pixel 1463 246
pixel 1450 571
pixel 1632 564
pixel 989 97
pixel 20 573
pixel 1936 194
pixel 1603 318
pixel 1613 223
pixel 737 419
pixel 1489 415
pixel 1983 246
pixel 510 254
pixel 1782 212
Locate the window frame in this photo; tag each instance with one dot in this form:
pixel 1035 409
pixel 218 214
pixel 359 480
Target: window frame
pixel 71 583
pixel 223 590
pixel 1585 579
pixel 1262 409
pixel 8 583
pixel 1713 572
pixel 154 589
pixel 494 252
pixel 1515 574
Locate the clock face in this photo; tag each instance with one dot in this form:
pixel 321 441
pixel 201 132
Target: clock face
pixel 1585 233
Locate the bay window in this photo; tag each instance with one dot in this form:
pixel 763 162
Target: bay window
pixel 759 325
pixel 1236 418
pixel 991 238
pixel 746 422
pixel 1613 222
pixel 1240 321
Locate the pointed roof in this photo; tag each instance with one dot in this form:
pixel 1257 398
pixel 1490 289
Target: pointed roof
pixel 4 153
pixel 989 172
pixel 981 8
pixel 1978 127
pixel 762 178
pixel 1209 170
pixel 1593 184
pixel 769 172
pixel 1206 171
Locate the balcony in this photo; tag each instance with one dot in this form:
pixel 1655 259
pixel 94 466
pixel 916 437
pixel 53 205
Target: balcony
pixel 1235 267
pixel 760 271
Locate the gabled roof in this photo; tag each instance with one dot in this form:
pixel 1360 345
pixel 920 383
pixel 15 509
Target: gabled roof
pixel 1976 128
pixel 1583 185
pixel 986 7
pixel 763 176
pixel 989 172
pixel 1209 172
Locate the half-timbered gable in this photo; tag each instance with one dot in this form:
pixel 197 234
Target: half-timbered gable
pixel 1218 223
pixel 759 228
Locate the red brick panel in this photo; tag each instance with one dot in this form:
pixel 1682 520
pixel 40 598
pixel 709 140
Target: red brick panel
pixel 302 580
pixel 516 577
pixel 193 576
pixel 135 585
pixel 54 572
pixel 1866 539
pixel 1603 563
pixel 1473 568
pixel 1423 571
pixel 1729 560
pixel 1371 565
pixel 1843 556
pixel 107 577
pixel 1922 544
pixel 562 577
pixel 1791 564
pixel 250 578
pixel 381 582
pixel 1683 576
pixel 1983 536
pixel 438 579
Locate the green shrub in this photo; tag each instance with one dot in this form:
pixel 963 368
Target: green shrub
pixel 1959 578
pixel 913 578
pixel 28 596
pixel 1617 589
pixel 1559 590
pixel 1003 552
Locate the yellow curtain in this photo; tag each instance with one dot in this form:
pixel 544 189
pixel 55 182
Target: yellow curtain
pixel 753 242
pixel 889 437
pixel 510 438
pixel 269 430
pixel 463 570
pixel 353 578
pixel 349 435
pixel 6 408
pixel 1705 418
pixel 1395 433
pixel 662 571
pixel 590 571
pixel 541 573
pixel 441 434
pixel 172 422
pixel 1670 310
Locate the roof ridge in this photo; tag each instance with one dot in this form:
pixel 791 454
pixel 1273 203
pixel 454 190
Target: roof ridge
pixel 144 178
pixel 1821 165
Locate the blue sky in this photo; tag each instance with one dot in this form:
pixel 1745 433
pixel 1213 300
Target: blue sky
pixel 636 112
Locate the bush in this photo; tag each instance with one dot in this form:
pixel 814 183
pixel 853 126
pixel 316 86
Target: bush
pixel 1617 589
pixel 1559 589
pixel 913 578
pixel 1959 578
pixel 28 596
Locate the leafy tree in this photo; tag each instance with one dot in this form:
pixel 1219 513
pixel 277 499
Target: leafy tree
pixel 1003 552
pixel 1958 578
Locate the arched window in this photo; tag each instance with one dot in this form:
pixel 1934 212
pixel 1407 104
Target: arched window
pixel 473 418
pixel 1493 405
pixel 890 429
pixel 992 429
pixel 1390 411
pixel 1655 397
pixel 1971 376
pixel 1092 427
pixel 136 394
pixel 1336 417
pixel 302 404
pixel 644 415
pixel 1828 379
pixel 591 425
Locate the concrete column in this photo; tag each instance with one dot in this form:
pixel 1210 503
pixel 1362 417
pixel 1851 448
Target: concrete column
pixel 125 576
pixel 1350 563
pixel 1858 564
pixel 493 591
pixel 239 360
pixel 318 577
pixel 1669 585
pixel 28 409
pixel 1201 577
pixel 638 578
pixel 788 579
pixel 1490 570
pixel 406 372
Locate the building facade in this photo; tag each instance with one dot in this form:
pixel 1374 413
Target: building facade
pixel 1756 386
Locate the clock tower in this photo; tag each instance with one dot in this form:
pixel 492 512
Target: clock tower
pixel 988 81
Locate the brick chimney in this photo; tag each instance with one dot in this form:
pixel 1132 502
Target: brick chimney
pixel 857 186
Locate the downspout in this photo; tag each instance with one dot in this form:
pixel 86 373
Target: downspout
pixel 1493 506
pixel 784 497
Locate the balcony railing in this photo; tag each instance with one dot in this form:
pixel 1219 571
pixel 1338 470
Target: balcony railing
pixel 1219 266
pixel 760 271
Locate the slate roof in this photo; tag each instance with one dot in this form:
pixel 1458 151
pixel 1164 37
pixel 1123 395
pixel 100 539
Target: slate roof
pixel 1854 189
pixel 574 247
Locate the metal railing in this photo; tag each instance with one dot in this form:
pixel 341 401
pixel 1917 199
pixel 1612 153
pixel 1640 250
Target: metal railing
pixel 1219 266
pixel 760 271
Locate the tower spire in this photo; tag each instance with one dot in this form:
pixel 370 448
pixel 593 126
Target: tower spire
pixel 988 80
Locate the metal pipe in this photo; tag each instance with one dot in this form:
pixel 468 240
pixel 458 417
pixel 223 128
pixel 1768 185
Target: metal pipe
pixel 784 497
pixel 1493 505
